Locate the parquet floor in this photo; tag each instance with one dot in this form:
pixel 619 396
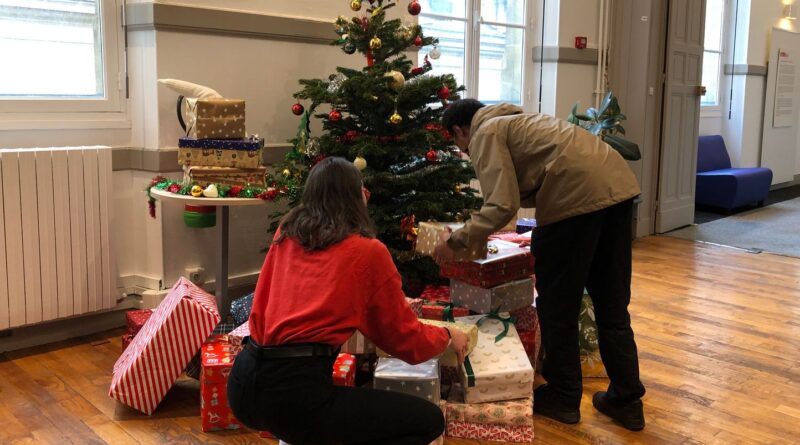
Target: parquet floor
pixel 718 332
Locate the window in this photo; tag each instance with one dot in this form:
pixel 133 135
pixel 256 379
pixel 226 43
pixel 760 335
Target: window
pixel 60 56
pixel 712 54
pixel 483 44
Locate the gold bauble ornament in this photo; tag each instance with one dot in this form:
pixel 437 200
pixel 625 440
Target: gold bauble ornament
pixel 360 163
pixel 395 118
pixel 397 80
pixel 375 43
pixel 355 5
pixel 286 172
pixel 197 191
pixel 458 188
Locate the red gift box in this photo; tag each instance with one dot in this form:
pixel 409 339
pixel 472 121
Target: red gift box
pixel 443 311
pixel 344 370
pixel 126 341
pixel 157 356
pixel 527 319
pixel 530 341
pixel 499 433
pixel 217 361
pixel 416 305
pixel 436 293
pixel 510 263
pixel 136 319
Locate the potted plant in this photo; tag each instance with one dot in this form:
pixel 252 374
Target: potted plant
pixel 606 123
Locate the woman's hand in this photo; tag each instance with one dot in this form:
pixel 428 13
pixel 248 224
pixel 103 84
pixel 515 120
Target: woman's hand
pixel 458 342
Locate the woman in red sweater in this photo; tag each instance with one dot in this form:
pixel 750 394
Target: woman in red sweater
pixel 324 277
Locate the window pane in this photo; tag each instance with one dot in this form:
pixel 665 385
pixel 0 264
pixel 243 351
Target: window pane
pixel 504 11
pixel 451 43
pixel 714 19
pixel 501 64
pixel 56 48
pixel 711 79
pixel 448 7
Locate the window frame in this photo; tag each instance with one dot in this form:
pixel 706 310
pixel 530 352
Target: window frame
pixel 473 21
pixel 711 110
pixel 29 113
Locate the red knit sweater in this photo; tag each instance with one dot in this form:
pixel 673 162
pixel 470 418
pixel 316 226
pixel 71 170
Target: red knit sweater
pixel 324 296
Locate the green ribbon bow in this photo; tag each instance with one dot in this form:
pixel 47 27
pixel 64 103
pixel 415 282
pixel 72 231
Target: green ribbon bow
pixel 495 315
pixel 447 313
pixel 470 372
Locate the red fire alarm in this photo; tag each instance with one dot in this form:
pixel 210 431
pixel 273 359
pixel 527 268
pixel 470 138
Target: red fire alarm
pixel 580 42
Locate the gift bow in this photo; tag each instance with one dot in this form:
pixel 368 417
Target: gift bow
pixel 447 313
pixel 495 315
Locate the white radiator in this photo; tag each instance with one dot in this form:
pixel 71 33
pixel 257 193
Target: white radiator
pixel 54 234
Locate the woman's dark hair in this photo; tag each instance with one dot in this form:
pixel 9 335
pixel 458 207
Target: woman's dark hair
pixel 460 112
pixel 331 208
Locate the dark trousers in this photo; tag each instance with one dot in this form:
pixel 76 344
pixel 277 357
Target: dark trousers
pixel 591 250
pixel 295 400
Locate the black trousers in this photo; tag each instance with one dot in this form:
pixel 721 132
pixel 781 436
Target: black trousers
pixel 591 250
pixel 295 400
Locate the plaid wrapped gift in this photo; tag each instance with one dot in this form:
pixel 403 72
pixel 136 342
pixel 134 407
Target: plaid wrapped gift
pixel 205 175
pixel 195 366
pixel 236 337
pixel 498 368
pixel 216 119
pixel 134 320
pixel 517 412
pixel 237 153
pixel 498 433
pixel 591 363
pixel 344 370
pixel 527 319
pixel 152 363
pixel 505 297
pixel 217 362
pixel 510 263
pixel 420 380
pixel 525 225
pixel 443 310
pixel 241 308
pixel 416 305
pixel 435 293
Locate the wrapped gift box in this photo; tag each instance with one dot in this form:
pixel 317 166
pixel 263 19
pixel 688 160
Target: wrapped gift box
pixel 134 320
pixel 442 310
pixel 344 370
pixel 236 337
pixel 506 297
pixel 496 370
pixel 531 341
pixel 450 375
pixel 217 362
pixel 526 225
pixel 358 344
pixel 497 433
pixel 216 119
pixel 126 341
pixel 509 263
pixel 527 319
pixel 416 305
pixel 517 412
pixel 591 363
pixel 435 293
pixel 420 380
pixel 448 357
pixel 430 233
pixel 205 175
pixel 521 239
pixel 238 153
pixel 148 368
pixel 241 308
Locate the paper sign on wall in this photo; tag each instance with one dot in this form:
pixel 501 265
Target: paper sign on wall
pixel 783 112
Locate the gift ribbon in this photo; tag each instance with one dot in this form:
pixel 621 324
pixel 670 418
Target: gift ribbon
pixel 447 312
pixel 470 372
pixel 495 315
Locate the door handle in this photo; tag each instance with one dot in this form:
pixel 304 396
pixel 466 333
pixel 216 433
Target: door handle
pixel 700 90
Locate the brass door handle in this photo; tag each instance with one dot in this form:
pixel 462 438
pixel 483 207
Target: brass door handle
pixel 700 90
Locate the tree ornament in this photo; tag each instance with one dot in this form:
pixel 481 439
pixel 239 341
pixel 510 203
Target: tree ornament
pixel 349 48
pixel 287 172
pixel 335 116
pixel 312 148
pixel 414 8
pixel 211 191
pixel 395 118
pixel 431 156
pixel 417 71
pixel 174 188
pixel 360 163
pixel 355 5
pixel 297 109
pixel 197 191
pixel 418 41
pixel 335 82
pixel 458 188
pixel 435 53
pixel 444 92
pixel 397 80
pixel 375 43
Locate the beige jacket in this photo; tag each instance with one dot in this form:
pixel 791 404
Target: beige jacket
pixel 536 160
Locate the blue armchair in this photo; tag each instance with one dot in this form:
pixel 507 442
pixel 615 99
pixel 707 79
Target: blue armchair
pixel 719 185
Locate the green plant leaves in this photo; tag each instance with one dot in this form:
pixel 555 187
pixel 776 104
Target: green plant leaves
pixel 629 150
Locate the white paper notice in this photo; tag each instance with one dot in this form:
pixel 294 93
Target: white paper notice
pixel 784 91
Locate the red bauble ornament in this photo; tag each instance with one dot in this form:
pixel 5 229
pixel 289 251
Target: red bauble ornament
pixel 234 191
pixel 298 109
pixel 444 92
pixel 335 115
pixel 414 8
pixel 431 156
pixel 417 71
pixel 418 41
pixel 174 188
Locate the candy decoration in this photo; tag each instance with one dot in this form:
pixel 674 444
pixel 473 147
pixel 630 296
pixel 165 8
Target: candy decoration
pixel 297 109
pixel 235 191
pixel 444 92
pixel 375 43
pixel 211 191
pixel 397 80
pixel 431 156
pixel 435 53
pixel 360 163
pixel 335 116
pixel 418 41
pixel 355 5
pixel 395 118
pixel 174 188
pixel 414 8
pixel 349 48
pixel 197 191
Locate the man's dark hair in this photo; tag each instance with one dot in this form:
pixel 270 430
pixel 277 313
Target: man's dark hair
pixel 460 112
pixel 331 208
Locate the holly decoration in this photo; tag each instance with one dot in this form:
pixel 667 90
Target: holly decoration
pixel 444 92
pixel 431 155
pixel 335 116
pixel 298 109
pixel 414 8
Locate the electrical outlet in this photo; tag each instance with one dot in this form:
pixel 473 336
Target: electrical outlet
pixel 196 275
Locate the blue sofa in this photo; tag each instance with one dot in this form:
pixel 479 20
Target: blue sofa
pixel 719 185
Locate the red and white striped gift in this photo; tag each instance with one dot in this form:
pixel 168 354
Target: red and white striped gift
pixel 157 356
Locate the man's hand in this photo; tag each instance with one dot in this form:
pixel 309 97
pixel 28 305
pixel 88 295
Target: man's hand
pixel 443 253
pixel 459 342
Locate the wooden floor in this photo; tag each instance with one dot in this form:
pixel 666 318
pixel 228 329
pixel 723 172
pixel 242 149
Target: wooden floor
pixel 718 332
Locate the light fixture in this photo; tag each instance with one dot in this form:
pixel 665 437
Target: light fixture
pixel 787 12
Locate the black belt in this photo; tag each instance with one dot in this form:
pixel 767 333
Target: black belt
pixel 290 351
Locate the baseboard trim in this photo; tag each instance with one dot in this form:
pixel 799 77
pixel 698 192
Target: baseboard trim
pixel 783 185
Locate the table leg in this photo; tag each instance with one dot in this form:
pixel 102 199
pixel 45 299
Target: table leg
pixel 222 267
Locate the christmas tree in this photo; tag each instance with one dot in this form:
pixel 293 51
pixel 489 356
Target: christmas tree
pixel 385 118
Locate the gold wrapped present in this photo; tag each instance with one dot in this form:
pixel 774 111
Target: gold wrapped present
pixel 204 176
pixel 430 233
pixel 216 119
pixel 448 357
